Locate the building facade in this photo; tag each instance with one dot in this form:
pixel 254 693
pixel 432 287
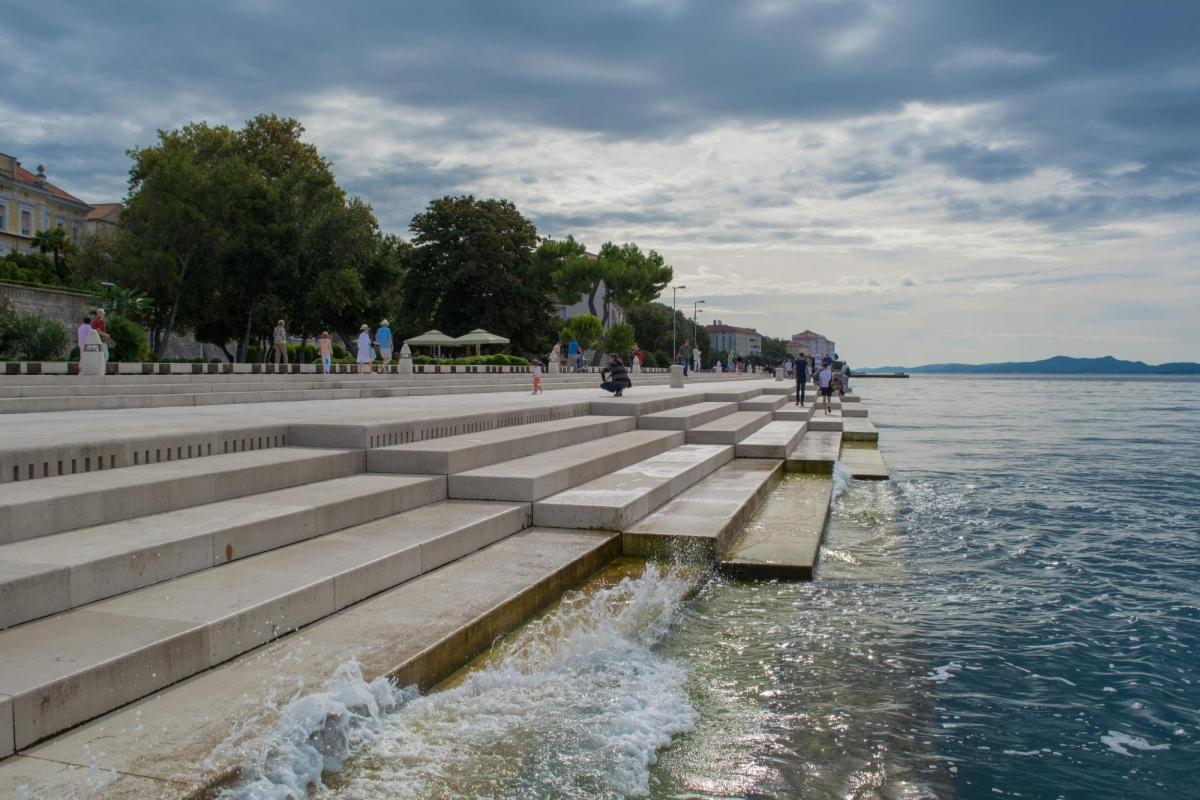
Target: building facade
pixel 811 344
pixel 744 342
pixel 103 217
pixel 30 203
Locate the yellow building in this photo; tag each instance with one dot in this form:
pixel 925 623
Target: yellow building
pixel 29 203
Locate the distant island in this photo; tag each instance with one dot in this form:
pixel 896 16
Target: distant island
pixel 1058 365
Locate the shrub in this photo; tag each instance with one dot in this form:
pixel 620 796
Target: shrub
pixel 128 340
pixel 661 359
pixel 32 338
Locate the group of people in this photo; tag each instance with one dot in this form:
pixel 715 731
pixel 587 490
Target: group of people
pixel 364 357
pixel 827 379
pixel 93 323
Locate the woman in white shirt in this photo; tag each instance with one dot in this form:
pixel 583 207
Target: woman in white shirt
pixel 365 354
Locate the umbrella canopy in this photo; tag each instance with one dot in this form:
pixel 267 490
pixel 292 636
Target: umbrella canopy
pixel 431 338
pixel 480 336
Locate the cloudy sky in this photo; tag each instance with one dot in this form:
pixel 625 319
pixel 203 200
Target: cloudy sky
pixel 921 180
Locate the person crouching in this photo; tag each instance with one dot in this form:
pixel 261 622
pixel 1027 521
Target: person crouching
pixel 615 377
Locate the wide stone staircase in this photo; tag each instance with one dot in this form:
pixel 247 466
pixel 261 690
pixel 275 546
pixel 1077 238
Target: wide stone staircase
pixel 118 583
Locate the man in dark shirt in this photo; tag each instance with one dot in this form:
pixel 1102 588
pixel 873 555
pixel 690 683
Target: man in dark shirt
pixel 800 367
pixel 615 377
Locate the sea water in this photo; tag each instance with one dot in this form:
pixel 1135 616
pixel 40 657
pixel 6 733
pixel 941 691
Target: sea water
pixel 1015 614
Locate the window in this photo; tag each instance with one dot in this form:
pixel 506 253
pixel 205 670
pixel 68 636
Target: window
pixel 3 217
pixel 26 222
pixel 45 219
pixel 74 231
pixel 60 222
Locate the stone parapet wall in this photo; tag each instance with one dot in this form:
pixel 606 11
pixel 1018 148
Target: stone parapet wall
pixel 64 307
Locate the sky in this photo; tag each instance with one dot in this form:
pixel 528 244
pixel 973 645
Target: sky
pixel 921 181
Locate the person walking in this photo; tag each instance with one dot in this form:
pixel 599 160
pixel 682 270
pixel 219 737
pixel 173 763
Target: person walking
pixel 279 353
pixel 537 376
pixel 365 355
pixel 684 357
pixel 800 368
pixel 825 382
pixel 637 360
pixel 325 350
pixel 383 338
pixel 615 378
pixel 696 359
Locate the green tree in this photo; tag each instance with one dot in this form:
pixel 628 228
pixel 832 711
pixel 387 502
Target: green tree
pixel 619 339
pixel 774 351
pixel 28 336
pixel 127 340
pixel 631 277
pixel 652 328
pixel 471 266
pixel 56 242
pixel 181 211
pixel 587 329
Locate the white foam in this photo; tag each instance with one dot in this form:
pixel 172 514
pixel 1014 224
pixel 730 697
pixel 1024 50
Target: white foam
pixel 943 673
pixel 577 704
pixel 316 733
pixel 841 480
pixel 1121 743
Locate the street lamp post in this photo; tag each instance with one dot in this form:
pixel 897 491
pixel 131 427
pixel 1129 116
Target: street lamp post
pixel 674 344
pixel 695 333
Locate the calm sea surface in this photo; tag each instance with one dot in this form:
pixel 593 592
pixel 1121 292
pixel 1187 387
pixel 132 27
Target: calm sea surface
pixel 1016 614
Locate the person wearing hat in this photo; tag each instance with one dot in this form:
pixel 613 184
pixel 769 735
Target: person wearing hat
pixel 383 338
pixel 279 352
pixel 365 354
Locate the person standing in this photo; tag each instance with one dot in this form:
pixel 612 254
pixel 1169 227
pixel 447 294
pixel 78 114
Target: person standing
pixel 800 368
pixel 637 360
pixel 825 379
pixel 365 354
pixel 98 325
pixel 325 349
pixel 537 376
pixel 81 334
pixel 696 359
pixel 684 357
pixel 383 338
pixel 845 379
pixel 279 353
pixel 573 350
pixel 614 377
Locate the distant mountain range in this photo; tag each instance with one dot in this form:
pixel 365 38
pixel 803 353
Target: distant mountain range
pixel 1058 365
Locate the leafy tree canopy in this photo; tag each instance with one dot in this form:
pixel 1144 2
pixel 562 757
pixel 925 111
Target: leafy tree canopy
pixel 586 329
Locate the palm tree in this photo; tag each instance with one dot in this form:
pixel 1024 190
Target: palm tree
pixel 53 241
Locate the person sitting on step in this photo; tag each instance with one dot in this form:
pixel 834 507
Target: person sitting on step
pixel 615 377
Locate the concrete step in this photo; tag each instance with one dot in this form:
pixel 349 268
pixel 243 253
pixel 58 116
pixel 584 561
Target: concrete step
pixel 66 669
pixel 794 413
pixel 732 394
pixel 853 409
pixel 534 477
pixel 783 540
pixel 820 421
pixel 630 404
pixel 864 462
pixel 859 429
pixel 774 440
pixel 685 417
pixel 29 509
pixel 472 450
pixel 816 452
pixel 57 572
pixel 182 739
pixel 617 500
pixel 729 429
pixel 765 402
pixel 698 524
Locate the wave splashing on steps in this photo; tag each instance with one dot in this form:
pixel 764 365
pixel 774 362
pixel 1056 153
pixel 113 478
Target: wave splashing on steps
pixel 576 704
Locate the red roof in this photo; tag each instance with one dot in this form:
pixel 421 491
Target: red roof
pixel 25 176
pixel 102 210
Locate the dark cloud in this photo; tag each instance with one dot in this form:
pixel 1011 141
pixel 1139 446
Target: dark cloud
pixel 1075 84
